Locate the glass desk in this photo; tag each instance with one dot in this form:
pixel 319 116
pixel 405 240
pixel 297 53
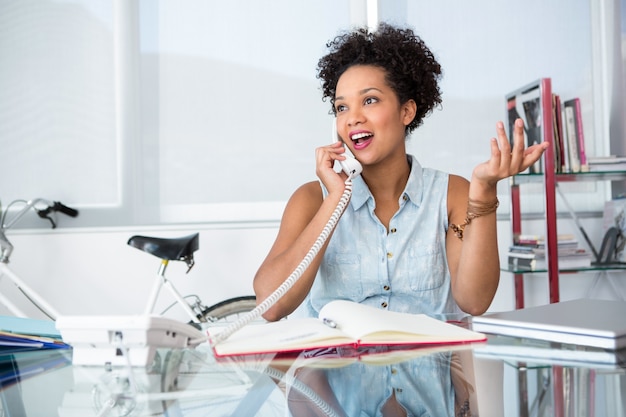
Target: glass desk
pixel 483 379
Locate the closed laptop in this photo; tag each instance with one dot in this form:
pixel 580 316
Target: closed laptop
pixel 587 322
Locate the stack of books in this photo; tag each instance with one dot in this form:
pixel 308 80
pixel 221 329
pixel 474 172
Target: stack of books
pixel 529 254
pixel 607 163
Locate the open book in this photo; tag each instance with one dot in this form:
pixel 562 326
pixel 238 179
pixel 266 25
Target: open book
pixel 341 356
pixel 343 323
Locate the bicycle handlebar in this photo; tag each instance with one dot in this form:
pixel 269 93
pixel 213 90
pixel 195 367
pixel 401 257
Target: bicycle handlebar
pixel 6 248
pixel 56 206
pixel 44 213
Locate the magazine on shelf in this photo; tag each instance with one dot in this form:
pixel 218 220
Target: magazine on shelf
pixel 344 323
pixel 533 104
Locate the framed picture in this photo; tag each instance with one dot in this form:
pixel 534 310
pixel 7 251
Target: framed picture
pixel 533 104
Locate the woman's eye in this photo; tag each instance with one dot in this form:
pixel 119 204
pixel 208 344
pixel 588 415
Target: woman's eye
pixel 340 108
pixel 370 100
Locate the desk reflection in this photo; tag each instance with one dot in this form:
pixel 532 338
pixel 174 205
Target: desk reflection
pixel 385 382
pixel 333 382
pixel 328 382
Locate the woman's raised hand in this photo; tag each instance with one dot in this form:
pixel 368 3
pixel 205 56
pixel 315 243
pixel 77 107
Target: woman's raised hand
pixel 506 161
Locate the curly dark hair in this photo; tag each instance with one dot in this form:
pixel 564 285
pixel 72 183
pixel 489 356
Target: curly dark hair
pixel 410 67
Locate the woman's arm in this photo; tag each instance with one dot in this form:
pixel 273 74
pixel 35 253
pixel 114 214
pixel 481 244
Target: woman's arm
pixel 474 260
pixel 305 216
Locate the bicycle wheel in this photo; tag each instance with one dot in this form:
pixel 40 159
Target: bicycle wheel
pixel 230 309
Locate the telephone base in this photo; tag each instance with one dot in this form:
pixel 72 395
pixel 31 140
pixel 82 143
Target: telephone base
pixel 123 340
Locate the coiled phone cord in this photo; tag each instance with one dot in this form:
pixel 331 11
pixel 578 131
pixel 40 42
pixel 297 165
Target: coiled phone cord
pixel 273 298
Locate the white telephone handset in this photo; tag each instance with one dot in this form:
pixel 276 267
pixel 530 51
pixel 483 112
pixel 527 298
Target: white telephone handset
pixel 350 165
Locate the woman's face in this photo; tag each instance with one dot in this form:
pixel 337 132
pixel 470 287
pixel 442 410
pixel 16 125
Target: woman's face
pixel 370 119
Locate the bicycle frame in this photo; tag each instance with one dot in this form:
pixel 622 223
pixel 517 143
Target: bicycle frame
pixel 6 249
pixel 162 281
pixel 28 292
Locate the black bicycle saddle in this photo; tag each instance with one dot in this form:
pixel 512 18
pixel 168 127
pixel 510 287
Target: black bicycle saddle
pixel 171 249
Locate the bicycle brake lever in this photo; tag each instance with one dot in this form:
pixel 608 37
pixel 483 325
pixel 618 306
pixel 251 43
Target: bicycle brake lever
pixel 44 214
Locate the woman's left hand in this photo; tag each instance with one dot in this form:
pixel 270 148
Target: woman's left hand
pixel 506 161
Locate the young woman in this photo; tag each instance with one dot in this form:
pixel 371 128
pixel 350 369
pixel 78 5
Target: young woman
pixel 412 239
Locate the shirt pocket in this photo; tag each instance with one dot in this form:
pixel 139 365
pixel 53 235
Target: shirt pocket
pixel 343 275
pixel 427 269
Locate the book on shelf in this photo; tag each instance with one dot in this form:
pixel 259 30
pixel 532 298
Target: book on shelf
pixel 571 139
pixel 538 253
pixel 580 134
pixel 575 135
pixel 517 263
pixel 531 255
pixel 343 323
pixel 560 162
pixel 579 258
pixel 539 240
pixel 607 163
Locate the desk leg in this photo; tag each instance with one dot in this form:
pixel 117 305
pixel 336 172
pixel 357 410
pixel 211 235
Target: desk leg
pixel 558 392
pixel 584 392
pixel 592 393
pixel 541 401
pixel 522 387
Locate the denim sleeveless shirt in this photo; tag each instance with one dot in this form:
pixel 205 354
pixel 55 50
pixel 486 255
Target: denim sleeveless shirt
pixel 402 269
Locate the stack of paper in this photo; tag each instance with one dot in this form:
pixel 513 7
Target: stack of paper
pixel 17 332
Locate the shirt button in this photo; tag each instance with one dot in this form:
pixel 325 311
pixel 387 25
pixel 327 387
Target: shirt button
pixel 394 371
pixel 389 255
pixel 386 288
pixel 398 390
pixel 383 304
pixel 405 198
pixel 394 230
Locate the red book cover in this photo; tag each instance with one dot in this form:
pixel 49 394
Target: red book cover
pixel 584 166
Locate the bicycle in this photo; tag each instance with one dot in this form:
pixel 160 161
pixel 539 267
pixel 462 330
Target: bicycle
pixel 182 249
pixel 167 249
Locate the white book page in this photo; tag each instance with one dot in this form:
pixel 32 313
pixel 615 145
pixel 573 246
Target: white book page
pixel 363 322
pixel 279 336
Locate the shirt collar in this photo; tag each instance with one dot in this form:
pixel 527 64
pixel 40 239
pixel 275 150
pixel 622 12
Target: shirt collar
pixel 413 189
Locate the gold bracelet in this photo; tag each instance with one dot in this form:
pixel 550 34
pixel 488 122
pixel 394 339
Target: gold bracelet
pixel 474 209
